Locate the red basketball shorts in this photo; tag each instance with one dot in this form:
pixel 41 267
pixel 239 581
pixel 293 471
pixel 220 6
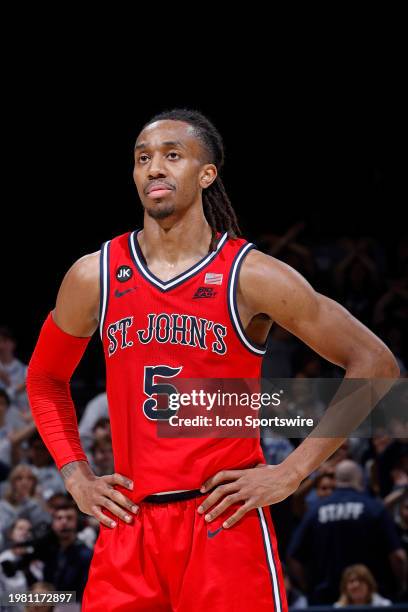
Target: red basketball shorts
pixel 170 560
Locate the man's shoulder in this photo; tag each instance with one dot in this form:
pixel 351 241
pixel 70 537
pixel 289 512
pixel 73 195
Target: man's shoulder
pixel 346 494
pixel 77 305
pixel 259 269
pixel 256 261
pixel 85 270
pixel 87 264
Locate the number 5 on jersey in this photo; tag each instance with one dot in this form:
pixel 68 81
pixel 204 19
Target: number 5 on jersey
pixel 150 405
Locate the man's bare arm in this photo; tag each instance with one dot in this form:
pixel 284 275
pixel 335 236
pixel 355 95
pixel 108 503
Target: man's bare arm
pixel 77 308
pixel 271 287
pixel 322 324
pixel 76 313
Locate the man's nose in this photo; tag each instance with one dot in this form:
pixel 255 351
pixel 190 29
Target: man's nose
pixel 156 168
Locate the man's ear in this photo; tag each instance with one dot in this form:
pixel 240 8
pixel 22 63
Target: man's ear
pixel 208 175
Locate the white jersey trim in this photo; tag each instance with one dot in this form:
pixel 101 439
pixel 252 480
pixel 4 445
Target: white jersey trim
pixel 104 284
pixel 270 560
pixel 165 285
pixel 232 302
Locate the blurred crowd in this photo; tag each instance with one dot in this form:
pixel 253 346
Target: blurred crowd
pixel 343 535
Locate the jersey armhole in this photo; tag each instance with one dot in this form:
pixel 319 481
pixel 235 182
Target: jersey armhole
pixel 104 284
pixel 257 349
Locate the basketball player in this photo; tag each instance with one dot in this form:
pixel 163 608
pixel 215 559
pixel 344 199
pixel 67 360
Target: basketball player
pixel 165 544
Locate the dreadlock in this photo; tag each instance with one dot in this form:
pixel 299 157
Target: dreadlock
pixel 218 209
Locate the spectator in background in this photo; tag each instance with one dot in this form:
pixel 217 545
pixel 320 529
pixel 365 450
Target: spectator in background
pixel 402 519
pixel 10 438
pixel 345 528
pixel 41 587
pixel 281 346
pixel 17 570
pixel 304 399
pixel 397 504
pixel 359 588
pixel 296 599
pixel 88 525
pixel 15 419
pixel 324 485
pixel 307 494
pixel 5 432
pixel 316 487
pixel 19 531
pixel 47 587
pixel 20 500
pixel 66 560
pixel 275 445
pixel 393 465
pixel 43 467
pixel 275 448
pixel 377 445
pixel 101 428
pixel 102 455
pixel 95 410
pixel 12 371
pixel 57 500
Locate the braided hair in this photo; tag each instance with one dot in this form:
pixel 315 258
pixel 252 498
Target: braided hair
pixel 218 209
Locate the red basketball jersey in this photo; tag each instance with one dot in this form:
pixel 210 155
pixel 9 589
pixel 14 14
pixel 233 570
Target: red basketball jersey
pixel 158 330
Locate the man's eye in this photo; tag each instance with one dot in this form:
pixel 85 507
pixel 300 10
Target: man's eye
pixel 173 155
pixel 143 158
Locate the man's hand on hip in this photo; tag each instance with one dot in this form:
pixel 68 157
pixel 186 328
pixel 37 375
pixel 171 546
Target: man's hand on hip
pixel 92 493
pixel 260 486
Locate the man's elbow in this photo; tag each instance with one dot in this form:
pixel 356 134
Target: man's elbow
pixel 386 365
pixel 372 362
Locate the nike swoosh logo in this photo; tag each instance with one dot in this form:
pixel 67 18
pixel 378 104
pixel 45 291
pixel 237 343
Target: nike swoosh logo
pixel 211 534
pixel 119 294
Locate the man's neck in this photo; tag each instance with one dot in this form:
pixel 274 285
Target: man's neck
pixel 173 243
pixel 65 542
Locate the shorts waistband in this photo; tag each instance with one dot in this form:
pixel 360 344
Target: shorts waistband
pixel 165 498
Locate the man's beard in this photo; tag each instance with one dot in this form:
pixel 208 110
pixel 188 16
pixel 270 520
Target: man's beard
pixel 160 213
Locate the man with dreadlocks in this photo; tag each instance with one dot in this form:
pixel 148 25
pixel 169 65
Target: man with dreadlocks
pixel 182 525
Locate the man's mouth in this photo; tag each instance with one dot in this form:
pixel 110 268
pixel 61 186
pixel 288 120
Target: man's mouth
pixel 158 190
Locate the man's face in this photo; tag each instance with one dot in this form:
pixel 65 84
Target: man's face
pixel 325 486
pixel 38 454
pixel 7 347
pixel 341 453
pixel 24 484
pixel 170 168
pixel 65 521
pixel 103 456
pixel 39 588
pixel 21 531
